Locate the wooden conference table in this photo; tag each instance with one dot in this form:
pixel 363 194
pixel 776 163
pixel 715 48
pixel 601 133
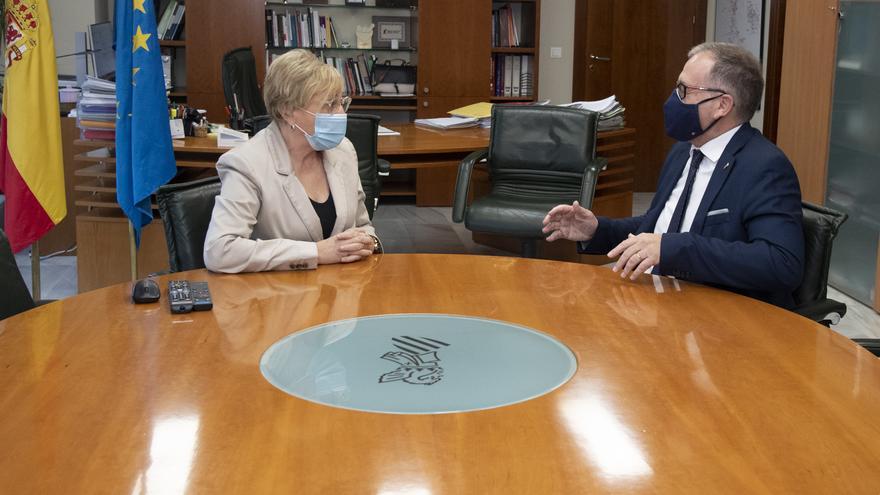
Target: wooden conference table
pixel 424 165
pixel 679 389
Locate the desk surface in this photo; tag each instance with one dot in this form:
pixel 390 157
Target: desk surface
pixel 688 390
pixel 413 139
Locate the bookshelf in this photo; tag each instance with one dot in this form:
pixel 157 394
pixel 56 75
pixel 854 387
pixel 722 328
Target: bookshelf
pixel 451 45
pixel 172 43
pixel 515 35
pixel 287 28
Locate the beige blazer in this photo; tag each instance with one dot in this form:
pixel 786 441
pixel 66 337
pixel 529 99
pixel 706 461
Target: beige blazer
pixel 263 218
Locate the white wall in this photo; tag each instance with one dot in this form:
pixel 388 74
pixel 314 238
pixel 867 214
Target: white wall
pixel 758 120
pixel 69 17
pixel 557 30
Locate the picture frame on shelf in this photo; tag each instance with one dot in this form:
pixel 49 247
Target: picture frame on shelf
pixel 391 30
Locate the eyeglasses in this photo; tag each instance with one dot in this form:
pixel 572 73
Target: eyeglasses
pixel 682 90
pixel 343 103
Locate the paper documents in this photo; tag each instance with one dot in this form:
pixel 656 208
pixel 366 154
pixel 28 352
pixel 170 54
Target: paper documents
pixel 480 110
pixel 609 109
pixel 230 138
pixel 448 122
pixel 598 106
pixel 384 131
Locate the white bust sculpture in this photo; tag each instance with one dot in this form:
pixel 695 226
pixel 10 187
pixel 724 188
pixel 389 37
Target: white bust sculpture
pixel 364 36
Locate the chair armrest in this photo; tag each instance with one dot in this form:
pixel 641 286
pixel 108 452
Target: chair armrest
pixel 591 177
pixel 872 345
pixel 384 167
pixel 459 202
pixel 825 312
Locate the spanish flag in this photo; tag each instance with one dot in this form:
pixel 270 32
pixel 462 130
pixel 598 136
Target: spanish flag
pixel 31 166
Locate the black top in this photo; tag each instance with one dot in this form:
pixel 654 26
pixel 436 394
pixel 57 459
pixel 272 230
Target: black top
pixel 327 213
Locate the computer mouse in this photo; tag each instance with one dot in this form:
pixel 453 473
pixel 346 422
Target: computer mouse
pixel 145 291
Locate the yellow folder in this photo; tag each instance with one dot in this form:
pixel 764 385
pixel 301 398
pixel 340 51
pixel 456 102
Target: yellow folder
pixel 480 110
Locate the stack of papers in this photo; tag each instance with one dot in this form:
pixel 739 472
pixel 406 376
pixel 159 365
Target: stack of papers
pixel 609 109
pixel 384 131
pixel 230 138
pixel 96 109
pixel 448 122
pixel 481 111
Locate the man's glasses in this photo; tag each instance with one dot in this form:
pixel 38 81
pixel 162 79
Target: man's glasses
pixel 343 103
pixel 682 90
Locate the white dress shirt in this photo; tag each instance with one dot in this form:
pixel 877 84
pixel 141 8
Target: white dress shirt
pixel 712 151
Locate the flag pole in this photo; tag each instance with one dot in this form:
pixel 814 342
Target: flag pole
pixel 35 271
pixel 132 251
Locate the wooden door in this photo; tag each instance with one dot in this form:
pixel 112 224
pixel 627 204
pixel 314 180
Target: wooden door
pixel 635 49
pixel 214 27
pixel 806 88
pixel 454 51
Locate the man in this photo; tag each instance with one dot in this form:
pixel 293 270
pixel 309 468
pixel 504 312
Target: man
pixel 727 211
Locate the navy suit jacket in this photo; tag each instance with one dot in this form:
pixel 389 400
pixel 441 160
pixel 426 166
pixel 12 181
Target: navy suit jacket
pixel 755 247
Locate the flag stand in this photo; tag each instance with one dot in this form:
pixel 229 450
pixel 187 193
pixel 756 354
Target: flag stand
pixel 35 271
pixel 132 251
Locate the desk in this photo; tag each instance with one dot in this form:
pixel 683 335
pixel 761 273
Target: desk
pixel 430 155
pixel 682 391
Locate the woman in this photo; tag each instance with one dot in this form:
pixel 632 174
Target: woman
pixel 291 197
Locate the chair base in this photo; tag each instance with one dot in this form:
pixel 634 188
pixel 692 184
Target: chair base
pixel 872 345
pixel 826 311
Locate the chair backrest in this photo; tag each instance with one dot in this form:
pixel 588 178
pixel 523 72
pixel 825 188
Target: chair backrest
pixel 14 295
pixel 821 225
pixel 535 151
pixel 186 210
pixel 363 132
pixel 239 75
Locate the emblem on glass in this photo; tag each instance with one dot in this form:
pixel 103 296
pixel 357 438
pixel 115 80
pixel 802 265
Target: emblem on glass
pixel 418 361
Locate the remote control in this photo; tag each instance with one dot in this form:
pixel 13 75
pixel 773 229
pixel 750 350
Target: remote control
pixel 200 296
pixel 180 296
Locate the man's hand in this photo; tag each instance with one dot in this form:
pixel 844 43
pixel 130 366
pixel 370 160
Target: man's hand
pixel 345 247
pixel 637 254
pixel 573 222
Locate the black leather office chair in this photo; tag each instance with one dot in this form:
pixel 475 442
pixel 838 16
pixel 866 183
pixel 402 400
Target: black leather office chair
pixel 363 132
pixel 239 75
pixel 538 157
pixel 14 295
pixel 821 225
pixel 186 212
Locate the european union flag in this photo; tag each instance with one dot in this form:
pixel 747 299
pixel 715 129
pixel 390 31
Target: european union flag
pixel 144 157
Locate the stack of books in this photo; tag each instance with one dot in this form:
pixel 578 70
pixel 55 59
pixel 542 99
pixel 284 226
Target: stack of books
pixel 609 109
pixel 508 28
pixel 96 109
pixel 308 29
pixel 513 75
pixel 355 72
pixel 170 25
pixel 447 122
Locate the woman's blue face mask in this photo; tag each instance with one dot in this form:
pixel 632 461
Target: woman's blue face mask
pixel 329 130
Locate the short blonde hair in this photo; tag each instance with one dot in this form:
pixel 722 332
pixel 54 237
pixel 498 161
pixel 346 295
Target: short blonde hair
pixel 294 79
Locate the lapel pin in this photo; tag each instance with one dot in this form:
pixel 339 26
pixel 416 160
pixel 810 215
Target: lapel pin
pixel 726 165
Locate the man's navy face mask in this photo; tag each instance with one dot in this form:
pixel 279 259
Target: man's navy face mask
pixel 682 120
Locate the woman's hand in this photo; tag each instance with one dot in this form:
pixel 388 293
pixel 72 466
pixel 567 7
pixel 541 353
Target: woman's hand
pixel 345 247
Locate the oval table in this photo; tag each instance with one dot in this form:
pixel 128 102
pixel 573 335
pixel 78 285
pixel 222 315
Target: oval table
pixel 679 388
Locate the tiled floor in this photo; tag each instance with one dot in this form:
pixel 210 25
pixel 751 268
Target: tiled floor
pixel 405 228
